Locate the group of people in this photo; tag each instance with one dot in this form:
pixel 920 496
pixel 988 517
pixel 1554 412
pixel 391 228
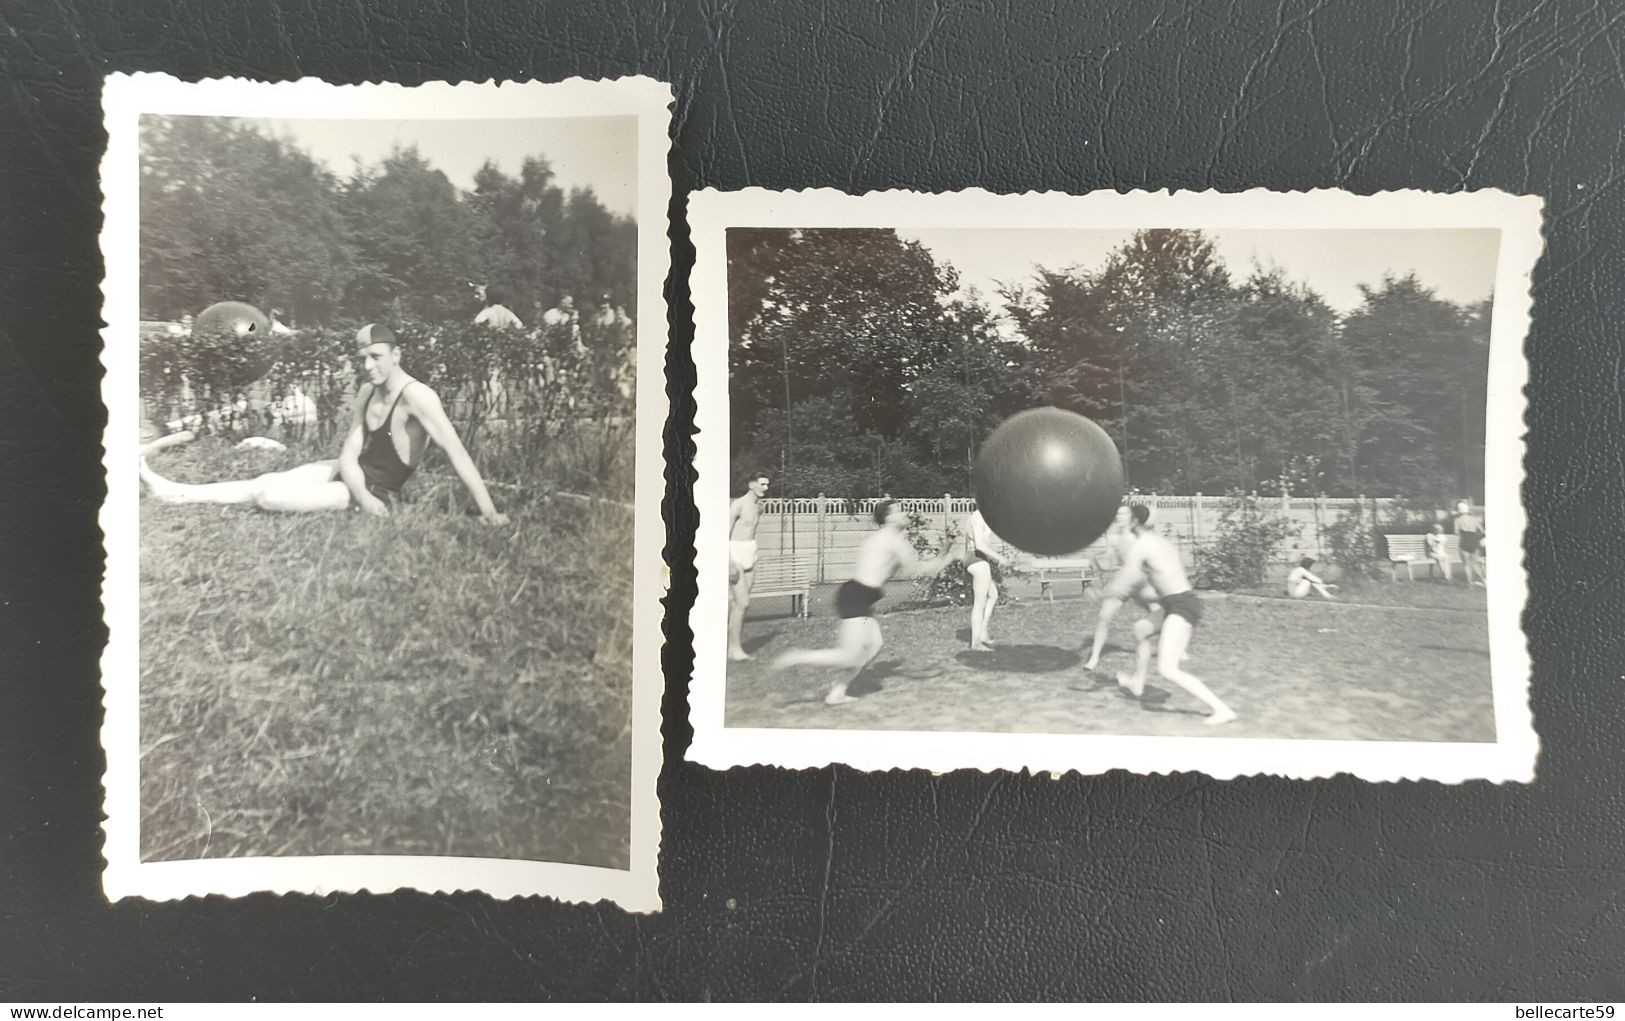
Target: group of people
pixel 1144 568
pixel 1148 569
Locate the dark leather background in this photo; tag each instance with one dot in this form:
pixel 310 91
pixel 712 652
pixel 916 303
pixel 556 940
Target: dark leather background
pixel 900 884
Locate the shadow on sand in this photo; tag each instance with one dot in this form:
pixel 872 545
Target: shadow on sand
pixel 1020 659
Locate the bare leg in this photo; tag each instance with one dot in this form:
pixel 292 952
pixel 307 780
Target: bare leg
pixel 987 613
pixel 738 603
pixel 1108 609
pixel 1176 636
pixel 858 644
pixel 307 488
pixel 869 634
pixel 981 581
pixel 1144 631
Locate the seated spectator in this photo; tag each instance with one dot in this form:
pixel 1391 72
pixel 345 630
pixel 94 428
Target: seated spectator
pixel 1437 553
pixel 1300 582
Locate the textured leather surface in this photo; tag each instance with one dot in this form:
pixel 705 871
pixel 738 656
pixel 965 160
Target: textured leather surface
pixel 834 884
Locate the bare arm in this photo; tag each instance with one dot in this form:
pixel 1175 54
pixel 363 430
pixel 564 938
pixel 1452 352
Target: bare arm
pixel 910 565
pixel 350 459
pixel 424 403
pixel 734 510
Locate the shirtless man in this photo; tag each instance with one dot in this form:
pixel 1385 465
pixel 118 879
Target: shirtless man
pixel 1118 537
pixel 885 553
pixel 1151 560
pixel 393 421
pixel 743 516
pixel 983 561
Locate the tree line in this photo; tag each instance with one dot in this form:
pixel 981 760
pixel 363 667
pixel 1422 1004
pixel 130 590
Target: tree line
pixel 858 366
pixel 230 212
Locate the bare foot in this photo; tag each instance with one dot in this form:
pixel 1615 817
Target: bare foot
pixel 984 647
pixel 1093 664
pixel 838 699
pixel 1127 683
pixel 1221 717
pixel 738 655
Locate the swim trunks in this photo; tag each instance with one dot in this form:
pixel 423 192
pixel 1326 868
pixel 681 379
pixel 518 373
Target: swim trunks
pixel 742 552
pixel 1183 604
pixel 1470 541
pixel 855 599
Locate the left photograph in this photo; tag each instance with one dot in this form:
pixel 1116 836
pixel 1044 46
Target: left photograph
pixel 385 391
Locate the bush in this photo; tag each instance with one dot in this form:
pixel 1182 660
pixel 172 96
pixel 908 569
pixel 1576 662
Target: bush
pixel 1351 544
pixel 1246 540
pixel 529 404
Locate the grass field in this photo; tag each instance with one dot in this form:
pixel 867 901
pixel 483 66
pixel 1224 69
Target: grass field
pixel 1406 662
pixel 421 684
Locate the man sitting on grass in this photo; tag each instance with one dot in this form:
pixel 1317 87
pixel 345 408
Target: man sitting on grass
pixel 392 424
pixel 1301 581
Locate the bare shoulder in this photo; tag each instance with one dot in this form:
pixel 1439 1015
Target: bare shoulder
pixel 420 396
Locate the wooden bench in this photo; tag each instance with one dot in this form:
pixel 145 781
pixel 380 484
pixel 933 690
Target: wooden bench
pixel 783 576
pixel 1082 562
pixel 1411 550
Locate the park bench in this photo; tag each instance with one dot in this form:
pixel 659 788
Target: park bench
pixel 1083 563
pixel 1411 550
pixel 784 576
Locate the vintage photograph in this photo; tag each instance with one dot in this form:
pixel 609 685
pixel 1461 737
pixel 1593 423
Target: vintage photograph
pixel 385 399
pixel 1225 482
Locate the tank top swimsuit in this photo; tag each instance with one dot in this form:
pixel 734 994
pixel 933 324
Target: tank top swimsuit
pixel 385 472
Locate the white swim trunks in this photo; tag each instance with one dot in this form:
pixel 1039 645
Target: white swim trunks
pixel 742 552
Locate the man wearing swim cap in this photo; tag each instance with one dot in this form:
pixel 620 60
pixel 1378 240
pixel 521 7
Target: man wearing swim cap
pixel 392 423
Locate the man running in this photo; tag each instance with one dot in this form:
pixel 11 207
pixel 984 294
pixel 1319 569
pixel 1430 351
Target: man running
pixel 885 553
pixel 743 516
pixel 392 424
pixel 984 562
pixel 1110 561
pixel 1152 560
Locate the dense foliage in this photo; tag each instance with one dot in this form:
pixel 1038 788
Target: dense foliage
pixel 230 212
pixel 859 365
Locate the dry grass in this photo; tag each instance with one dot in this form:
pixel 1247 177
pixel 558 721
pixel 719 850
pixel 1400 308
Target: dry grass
pixel 421 684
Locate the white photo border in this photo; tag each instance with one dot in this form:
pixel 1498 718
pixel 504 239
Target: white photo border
pixel 125 99
pixel 1511 757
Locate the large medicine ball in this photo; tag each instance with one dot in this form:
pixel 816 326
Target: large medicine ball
pixel 232 318
pixel 1049 481
pixel 233 344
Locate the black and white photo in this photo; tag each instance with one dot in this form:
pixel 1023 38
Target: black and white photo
pixel 1151 482
pixel 385 393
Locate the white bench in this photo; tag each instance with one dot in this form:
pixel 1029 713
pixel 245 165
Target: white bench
pixel 1411 550
pixel 1082 562
pixel 784 576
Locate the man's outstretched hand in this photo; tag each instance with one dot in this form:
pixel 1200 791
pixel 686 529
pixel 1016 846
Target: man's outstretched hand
pixel 374 506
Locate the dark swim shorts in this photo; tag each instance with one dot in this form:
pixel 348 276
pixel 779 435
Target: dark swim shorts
pixel 855 599
pixel 1470 541
pixel 1184 604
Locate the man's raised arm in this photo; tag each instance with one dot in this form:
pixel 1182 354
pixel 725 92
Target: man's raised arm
pixel 425 404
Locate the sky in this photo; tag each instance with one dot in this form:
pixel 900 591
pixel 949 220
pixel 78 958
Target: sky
pixel 1459 265
pixel 595 152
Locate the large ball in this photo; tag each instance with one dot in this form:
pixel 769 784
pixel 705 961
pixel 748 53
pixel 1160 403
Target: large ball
pixel 232 318
pixel 232 345
pixel 1049 481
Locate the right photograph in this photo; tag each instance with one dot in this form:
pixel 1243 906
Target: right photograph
pixel 1216 482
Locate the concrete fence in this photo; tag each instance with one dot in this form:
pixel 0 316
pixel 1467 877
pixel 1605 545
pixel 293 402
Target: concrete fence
pixel 828 531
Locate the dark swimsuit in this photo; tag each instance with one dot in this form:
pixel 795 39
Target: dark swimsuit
pixel 855 599
pixel 380 462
